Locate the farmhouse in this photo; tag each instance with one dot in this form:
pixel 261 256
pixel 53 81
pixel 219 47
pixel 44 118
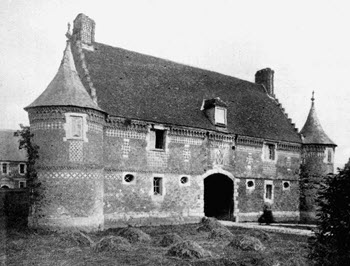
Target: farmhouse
pixel 130 139
pixel 13 161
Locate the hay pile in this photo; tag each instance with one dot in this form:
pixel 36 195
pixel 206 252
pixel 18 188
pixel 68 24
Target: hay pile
pixel 188 250
pixel 134 235
pixel 111 243
pixel 247 243
pixel 207 224
pixel 260 234
pixel 170 239
pixel 220 233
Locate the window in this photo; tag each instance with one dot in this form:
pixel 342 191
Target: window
pixel 157 186
pixel 220 115
pixel 22 184
pixel 269 152
pixel 76 126
pixel 22 168
pixel 285 185
pixel 250 184
pixel 128 178
pixel 4 168
pixel 268 193
pixel 157 139
pixel 184 181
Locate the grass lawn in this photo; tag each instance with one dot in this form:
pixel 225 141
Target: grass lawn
pixel 30 247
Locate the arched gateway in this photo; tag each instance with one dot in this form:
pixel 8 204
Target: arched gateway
pixel 219 195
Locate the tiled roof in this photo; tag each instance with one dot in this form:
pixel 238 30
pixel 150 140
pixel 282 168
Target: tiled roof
pixel 312 131
pixel 66 89
pixel 138 86
pixel 9 147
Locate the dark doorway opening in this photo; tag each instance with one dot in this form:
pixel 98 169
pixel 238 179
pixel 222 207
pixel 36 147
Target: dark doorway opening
pixel 218 197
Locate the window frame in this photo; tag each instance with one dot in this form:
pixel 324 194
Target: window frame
pixel 132 182
pixel 68 127
pixel 216 115
pixel 152 138
pixel 267 152
pixel 284 188
pixel 24 170
pixel 266 184
pixel 7 168
pixel 188 183
pixel 160 186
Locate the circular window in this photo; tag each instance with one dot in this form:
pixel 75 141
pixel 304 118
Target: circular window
pixel 129 178
pixel 286 185
pixel 250 183
pixel 184 180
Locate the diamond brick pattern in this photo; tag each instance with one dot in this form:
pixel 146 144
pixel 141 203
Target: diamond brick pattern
pixel 46 125
pixel 125 134
pixel 186 141
pixel 76 151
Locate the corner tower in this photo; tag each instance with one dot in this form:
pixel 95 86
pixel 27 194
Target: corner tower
pixel 68 128
pixel 317 161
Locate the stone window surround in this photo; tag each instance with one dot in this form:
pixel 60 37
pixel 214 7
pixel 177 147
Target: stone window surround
pixel 163 188
pixel 217 108
pixel 25 168
pixel 133 182
pixel 246 184
pixel 188 183
pixel 68 127
pixel 151 144
pixel 7 168
pixel 285 188
pixel 269 182
pixel 328 151
pixel 265 151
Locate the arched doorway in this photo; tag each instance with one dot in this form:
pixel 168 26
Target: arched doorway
pixel 218 197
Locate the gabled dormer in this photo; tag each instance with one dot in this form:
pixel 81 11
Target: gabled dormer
pixel 216 111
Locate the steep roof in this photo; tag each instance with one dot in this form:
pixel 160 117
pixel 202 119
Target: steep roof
pixel 312 131
pixel 138 86
pixel 9 147
pixel 66 88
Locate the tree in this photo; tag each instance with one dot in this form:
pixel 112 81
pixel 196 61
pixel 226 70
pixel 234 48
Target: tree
pixel 331 244
pixel 26 142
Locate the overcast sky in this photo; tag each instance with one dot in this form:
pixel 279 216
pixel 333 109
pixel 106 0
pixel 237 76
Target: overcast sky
pixel 307 43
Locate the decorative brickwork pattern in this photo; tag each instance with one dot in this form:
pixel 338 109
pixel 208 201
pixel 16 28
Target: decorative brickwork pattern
pixel 220 153
pixel 249 161
pixel 126 148
pixel 187 153
pixel 269 168
pixel 69 175
pixel 157 159
pixel 185 140
pixel 76 151
pixel 46 125
pixel 94 127
pixel 125 134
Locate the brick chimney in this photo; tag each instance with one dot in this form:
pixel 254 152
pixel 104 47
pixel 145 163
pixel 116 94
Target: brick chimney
pixel 265 77
pixel 84 29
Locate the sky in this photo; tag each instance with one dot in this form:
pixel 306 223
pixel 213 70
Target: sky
pixel 306 43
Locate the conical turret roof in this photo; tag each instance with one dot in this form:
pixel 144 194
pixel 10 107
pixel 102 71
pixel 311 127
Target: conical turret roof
pixel 312 131
pixel 66 88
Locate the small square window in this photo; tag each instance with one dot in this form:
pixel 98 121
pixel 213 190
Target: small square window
pixel 286 185
pixel 157 139
pixel 22 168
pixel 270 152
pixel 75 126
pixel 220 115
pixel 158 186
pixel 22 184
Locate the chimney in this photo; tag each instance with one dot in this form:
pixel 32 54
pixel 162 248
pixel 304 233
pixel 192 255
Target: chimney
pixel 84 29
pixel 265 77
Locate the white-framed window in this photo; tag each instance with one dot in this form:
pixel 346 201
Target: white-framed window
pixel 22 168
pixel 158 186
pixel 220 115
pixel 285 185
pixel 157 138
pixel 5 168
pixel 329 155
pixel 22 184
pixel 268 191
pixel 269 152
pixel 185 180
pixel 129 178
pixel 75 126
pixel 250 184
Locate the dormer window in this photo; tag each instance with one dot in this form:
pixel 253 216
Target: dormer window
pixel 220 116
pixel 216 111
